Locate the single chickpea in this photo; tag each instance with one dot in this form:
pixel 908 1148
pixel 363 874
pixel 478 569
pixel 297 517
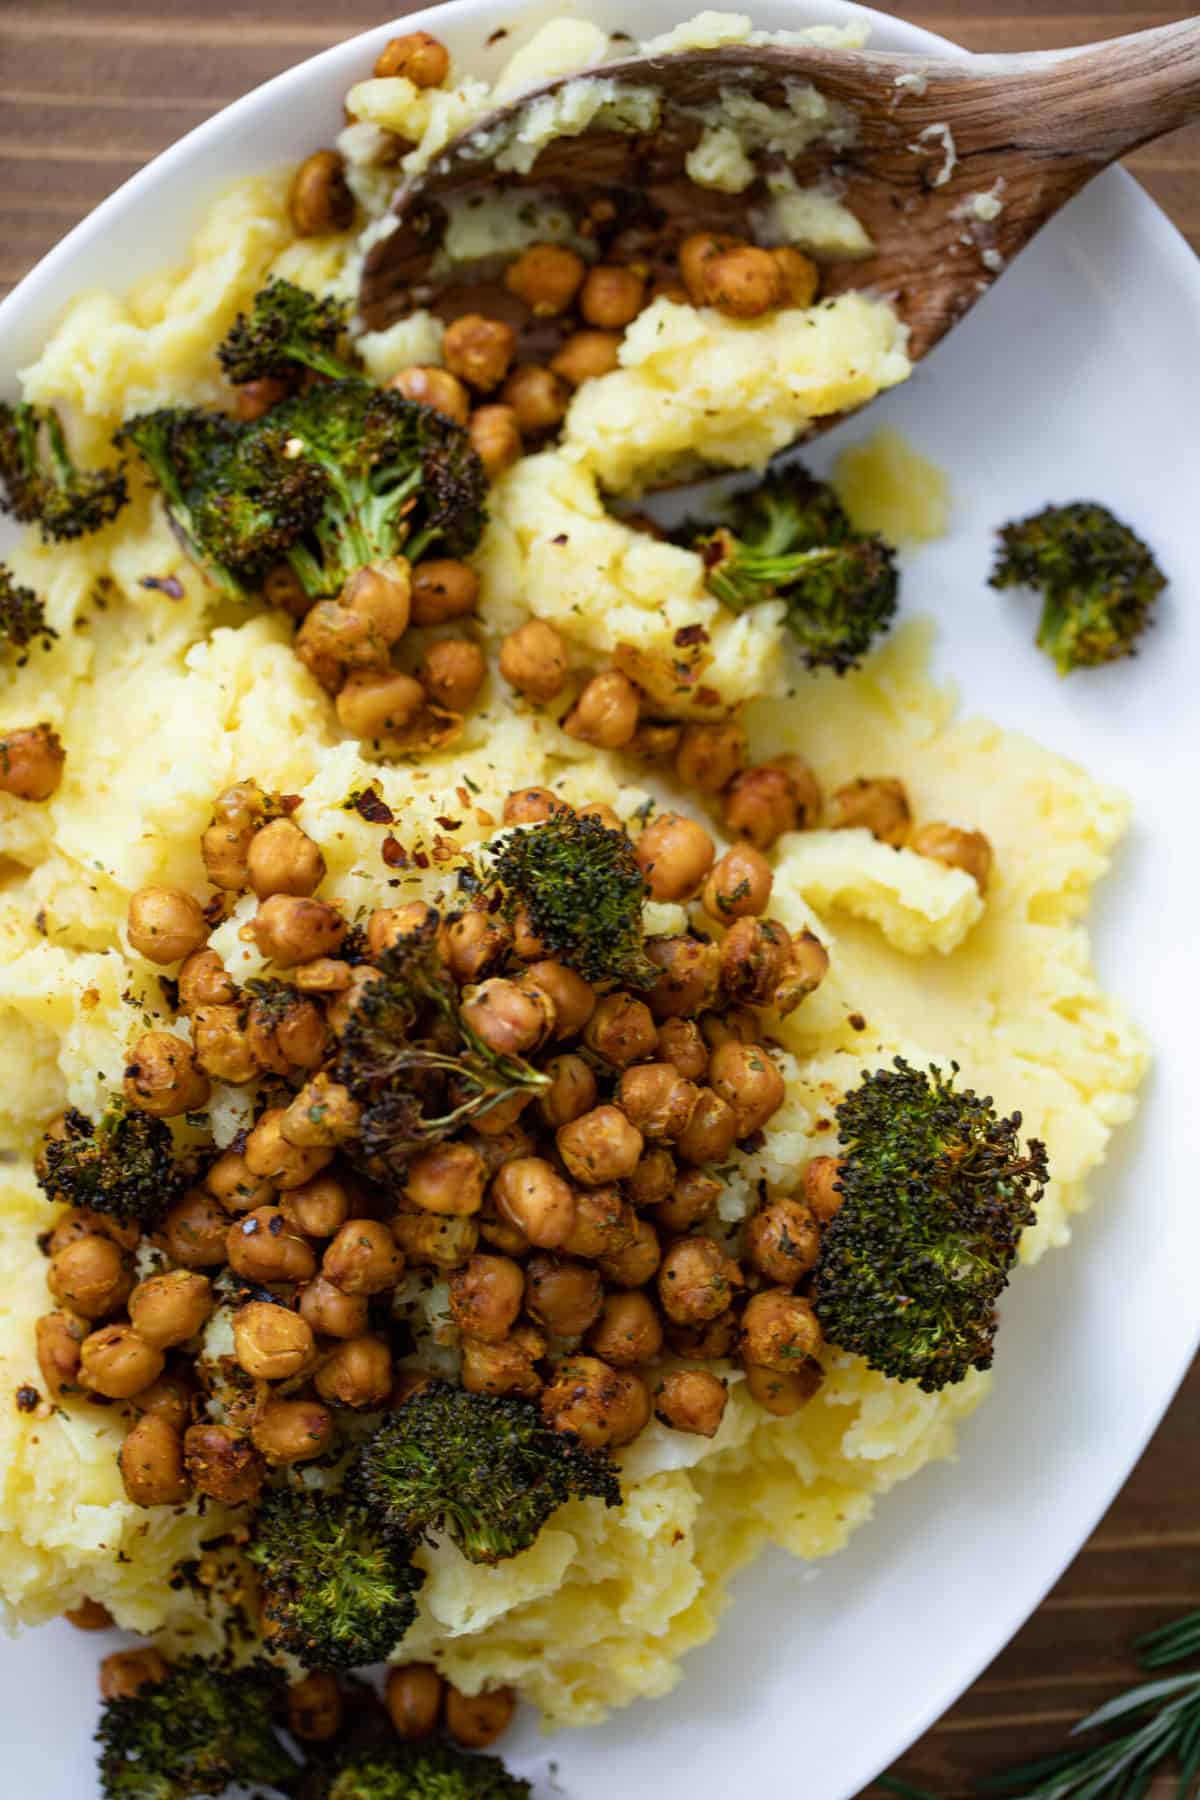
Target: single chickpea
pixel 635 1263
pixel 499 1118
pixel 709 756
pixel 89 1615
pixel 681 1044
pixel 477 1720
pixel 807 967
pixel 318 1208
pixel 363 1258
pixel 621 1030
pixel 511 1020
pixel 532 805
pixel 586 355
pixel 739 885
pixel 166 1310
pixel 193 1232
pixel 743 282
pixel 479 351
pixel 390 925
pixel 204 981
pixel 282 859
pixel 605 1223
pixel 533 659
pixel 696 1281
pixel 271 1343
pixel 628 1331
pixel 58 1337
pixel 339 1009
pixel 231 1182
pixel 90 1277
pixel 32 760
pixel 530 1194
pixel 314 1707
pixel 263 1247
pixel 420 58
pixel 221 1044
pixel 452 673
pixel 712 1130
pixel 223 1463
pixel 689 976
pixel 439 1243
pixel 691 1400
pixel 486 1296
pixel 657 1099
pixel 495 438
pixel 782 1240
pixel 877 804
pixel 378 598
pixel 78 1222
pixel 547 277
pixel 822 1192
pixel 269 1154
pixel 760 805
pixel 332 1313
pixel 116 1362
pixel 356 1373
pixel 287 1031
pixel 538 398
pixel 323 1112
pixel 126 1672
pixel 527 946
pixel 163 1078
pixel 604 815
pixel 654 1178
pixel 780 1331
pixel 290 929
pixel 506 1368
pixel 443 589
pixel 238 811
pixel 655 738
pixel 674 854
pixel 966 850
pixel 693 1198
pixel 745 1076
pixel 165 924
pixel 319 200
pixel 695 254
pixel 611 297
pixel 431 386
pixel 447 1179
pixel 606 712
pixel 600 1405
pixel 151 1464
pixel 564 1296
pixel 715 1341
pixel 601 1146
pixel 799 275
pixel 783 1392
pixel 740 1025
pixel 754 955
pixel 413 1697
pixel 281 586
pixel 324 975
pixel 169 1398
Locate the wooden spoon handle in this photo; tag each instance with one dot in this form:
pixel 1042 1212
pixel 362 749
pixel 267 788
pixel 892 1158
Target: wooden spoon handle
pixel 1110 97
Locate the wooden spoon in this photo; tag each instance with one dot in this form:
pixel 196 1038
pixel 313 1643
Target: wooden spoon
pixel 931 136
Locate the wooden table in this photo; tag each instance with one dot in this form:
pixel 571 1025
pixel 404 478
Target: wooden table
pixel 87 94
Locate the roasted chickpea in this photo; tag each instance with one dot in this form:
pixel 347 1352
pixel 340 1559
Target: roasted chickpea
pixel 204 981
pixel 166 1310
pixel 443 589
pixel 966 850
pixel 653 1179
pixel 760 805
pixel 163 1078
pixel 538 398
pixel 745 1076
pixel 696 1281
pixel 314 1707
pixel 479 351
pixel 628 1331
pixel 499 1119
pixel 371 705
pixel 289 929
pixel 606 712
pixel 452 673
pixel 271 1343
pixel 780 1331
pixel 319 200
pixel 193 1232
pixel 475 943
pixel 547 277
pixel 740 1025
pixel 485 1297
pixel 318 1208
pixel 281 586
pixel 59 1336
pixel 604 815
pixel 332 1313
pixel 90 1277
pixel 621 1030
pixel 32 760
pixel 116 1362
pixel 531 1195
pixel 435 387
pixel 477 1720
pixel 822 1193
pixel 533 659
pixel 357 1373
pixel 600 1146
pixel 605 1223
pixel 511 1019
pixel 169 1398
pixel 782 1240
pixel 674 854
pixel 754 955
pixel 695 254
pixel 363 1258
pixel 223 1463
pixel 586 355
pixel 292 1431
pixel 563 1296
pixel 413 1697
pixel 126 1672
pixel 689 976
pixel 691 1400
pixel 714 1342
pixel 264 1247
pixel 655 738
pixel 222 1044
pixel 416 56
pixel 657 1099
pixel 448 1179
pixel 269 1154
pixel 389 925
pixel 739 885
pixel 529 806
pixel 571 997
pixel 712 1130
pixel 505 1368
pixel 89 1615
pixel 692 1198
pixel 440 1243
pixel 238 811
pixel 323 1112
pixel 634 1264
pixel 877 804
pixel 332 638
pixel 799 275
pixel 598 1404
pixel 679 1042
pixel 231 1182
pixel 709 756
pixel 282 859
pixel 165 924
pixel 743 282
pixel 612 296
pixel 807 967
pixel 151 1464
pixel 495 438
pixel 78 1222
pixel 783 1392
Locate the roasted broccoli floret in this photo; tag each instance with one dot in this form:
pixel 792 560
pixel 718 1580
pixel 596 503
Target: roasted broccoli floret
pixel 198 1732
pixel 41 482
pixel 789 539
pixel 123 1165
pixel 1098 581
pixel 583 892
pixel 419 1772
pixel 337 1585
pixel 935 1195
pixel 22 617
pixel 412 1061
pixel 286 327
pixel 484 1467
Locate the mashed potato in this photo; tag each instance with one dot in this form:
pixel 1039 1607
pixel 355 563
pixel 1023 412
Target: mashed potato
pixel 160 704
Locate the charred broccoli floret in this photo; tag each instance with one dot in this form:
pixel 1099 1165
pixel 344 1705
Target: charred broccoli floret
pixel 935 1195
pixel 337 1587
pixel 484 1467
pixel 286 327
pixel 583 891
pixel 198 1732
pixel 419 1772
pixel 41 482
pixel 1098 581
pixel 123 1165
pixel 789 539
pixel 22 617
pixel 413 1063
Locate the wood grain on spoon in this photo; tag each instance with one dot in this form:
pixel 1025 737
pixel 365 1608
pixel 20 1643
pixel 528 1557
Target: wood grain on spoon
pixel 931 136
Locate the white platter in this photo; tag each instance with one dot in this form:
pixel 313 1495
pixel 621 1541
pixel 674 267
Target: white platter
pixel 1077 377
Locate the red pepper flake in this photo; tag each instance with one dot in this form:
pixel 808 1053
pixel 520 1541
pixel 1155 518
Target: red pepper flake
pixel 691 634
pixel 28 1399
pixel 707 696
pixel 394 854
pixel 857 1022
pixel 449 824
pixel 823 1125
pixel 372 806
pixel 214 911
pixel 290 803
pixel 562 538
pixel 420 858
pixel 170 585
pixel 463 798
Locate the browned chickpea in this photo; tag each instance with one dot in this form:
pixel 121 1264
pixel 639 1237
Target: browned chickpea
pixel 323 1112
pixel 32 760
pixel 293 1431
pixel 357 1373
pixel 440 1243
pixel 165 924
pixel 745 1076
pixel 319 200
pixel 628 1331
pixel 166 1310
pixel 281 586
pixel 477 1720
pixel 389 925
pixel 711 1132
pixel 764 802
pixel 511 1020
pixel 691 1400
pixel 314 1708
pixel 538 398
pixel 621 1030
pixel 653 1179
pixel 606 712
pixel 485 1297
pixel 318 1208
pixel 116 1362
pixel 530 806
pixel 739 885
pixel 605 1223
pixel 674 854
pixel 78 1222
pixel 877 804
pixel 696 1280
pixel 163 1078
pixel 238 811
pixel 443 589
pixel 604 815
pixel 586 355
pixel 740 1025
pixel 571 997
pixel 363 1258
pixel 754 955
pixel 90 1277
pixel 193 1232
pixel 500 1117
pixel 413 1697
pixel 655 738
pixel 674 291
pixel 807 967
pixel 695 254
pixel 612 296
pixel 231 1182
pixel 263 1247
pixel 714 1342
pixel 416 56
pixel 780 1331
pixel 634 1264
pixel 169 1398
pixel 479 351
pixel 204 981
pixel 371 705
pixel 689 976
pixel 223 1463
pixel 222 1044
pixel 783 1392
pixel 782 1240
pixel 966 850
pixel 271 1343
pixel 332 1313
pixel 333 639
pixel 506 1368
pixel 822 1193
pixel 600 1405
pixel 151 1464
pixel 448 1179
pixel 495 438
pixel 289 929
pixel 475 943
pixel 693 1198
pixel 709 756
pixel 657 1099
pixel 430 386
pixel 59 1336
pixel 452 673
pixel 126 1672
pixel 743 282
pixel 282 859
pixel 799 275
pixel 547 277
pixel 679 1042
pixel 527 946
pixel 89 1615
pixel 533 659
pixel 530 1194
pixel 380 594
pixel 599 1147
pixel 563 1296
pixel 269 1154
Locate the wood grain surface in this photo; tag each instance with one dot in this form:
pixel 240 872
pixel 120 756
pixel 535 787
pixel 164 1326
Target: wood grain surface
pixel 88 93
